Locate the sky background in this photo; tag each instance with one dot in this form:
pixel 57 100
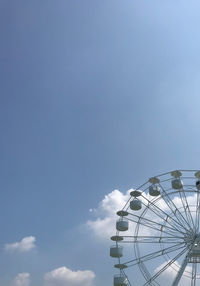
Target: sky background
pixel 96 95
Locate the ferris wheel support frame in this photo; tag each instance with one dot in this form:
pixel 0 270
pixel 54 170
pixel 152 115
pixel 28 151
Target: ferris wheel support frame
pixel 180 272
pixel 183 266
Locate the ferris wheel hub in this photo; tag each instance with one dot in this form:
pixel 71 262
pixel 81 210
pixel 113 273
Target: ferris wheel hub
pixel 190 236
pixel 194 255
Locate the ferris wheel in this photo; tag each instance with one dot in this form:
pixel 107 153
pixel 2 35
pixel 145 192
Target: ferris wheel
pixel 157 239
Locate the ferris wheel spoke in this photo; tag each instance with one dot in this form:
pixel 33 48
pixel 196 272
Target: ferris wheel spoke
pixel 155 254
pixel 170 226
pixel 152 239
pixel 155 225
pixel 189 211
pixel 174 209
pixel 158 211
pixel 165 267
pixel 186 208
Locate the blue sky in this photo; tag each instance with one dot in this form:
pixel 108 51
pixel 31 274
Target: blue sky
pixel 95 96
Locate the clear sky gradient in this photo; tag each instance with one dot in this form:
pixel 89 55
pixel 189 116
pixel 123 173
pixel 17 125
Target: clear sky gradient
pixel 95 96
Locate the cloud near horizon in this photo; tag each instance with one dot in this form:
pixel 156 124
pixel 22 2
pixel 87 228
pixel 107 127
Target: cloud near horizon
pixel 64 276
pixel 22 279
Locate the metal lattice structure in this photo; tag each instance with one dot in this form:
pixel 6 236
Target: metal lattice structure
pixel 158 232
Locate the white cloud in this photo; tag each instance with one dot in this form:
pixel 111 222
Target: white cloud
pixel 104 224
pixel 22 279
pixel 64 276
pixel 25 245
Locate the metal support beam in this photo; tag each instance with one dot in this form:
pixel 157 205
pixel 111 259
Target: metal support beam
pixel 180 272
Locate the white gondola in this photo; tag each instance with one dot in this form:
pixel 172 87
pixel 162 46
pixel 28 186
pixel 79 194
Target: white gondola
pixel 122 225
pixel 116 251
pixel 120 280
pixel 154 190
pixel 136 205
pixel 198 184
pixel 177 184
pixel 135 193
